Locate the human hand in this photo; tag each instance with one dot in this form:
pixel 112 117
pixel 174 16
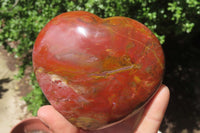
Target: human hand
pixel 148 120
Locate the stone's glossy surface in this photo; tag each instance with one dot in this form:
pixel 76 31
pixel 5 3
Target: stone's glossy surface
pixel 97 71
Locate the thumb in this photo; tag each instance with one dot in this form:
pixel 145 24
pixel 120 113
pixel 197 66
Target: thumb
pixel 55 121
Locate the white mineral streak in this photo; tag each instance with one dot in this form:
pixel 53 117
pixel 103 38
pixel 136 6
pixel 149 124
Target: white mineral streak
pixel 62 81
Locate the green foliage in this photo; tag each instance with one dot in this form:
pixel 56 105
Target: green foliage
pixel 184 13
pixel 21 21
pixel 35 99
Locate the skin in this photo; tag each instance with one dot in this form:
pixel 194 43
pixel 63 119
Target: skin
pixel 146 120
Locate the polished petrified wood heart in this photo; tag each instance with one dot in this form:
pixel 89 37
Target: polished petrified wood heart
pixel 97 71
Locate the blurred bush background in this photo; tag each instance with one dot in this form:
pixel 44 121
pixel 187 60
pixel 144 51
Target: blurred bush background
pixel 175 22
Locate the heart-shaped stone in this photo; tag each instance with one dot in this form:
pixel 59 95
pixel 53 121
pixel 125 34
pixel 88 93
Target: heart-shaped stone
pixel 97 71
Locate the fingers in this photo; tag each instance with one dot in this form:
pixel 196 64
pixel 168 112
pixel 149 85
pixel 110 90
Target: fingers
pixel 55 121
pixel 154 112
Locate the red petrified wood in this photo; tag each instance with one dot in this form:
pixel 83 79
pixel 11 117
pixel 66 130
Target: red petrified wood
pixel 97 71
